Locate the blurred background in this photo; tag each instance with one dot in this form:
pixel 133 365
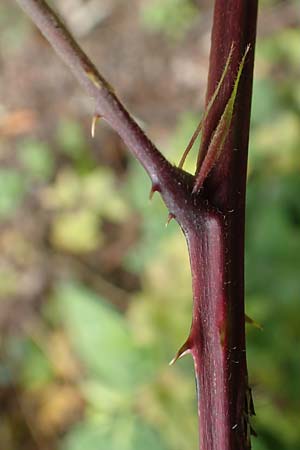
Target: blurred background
pixel 95 291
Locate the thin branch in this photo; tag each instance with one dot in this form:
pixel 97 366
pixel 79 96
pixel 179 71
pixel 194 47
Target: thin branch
pixel 108 106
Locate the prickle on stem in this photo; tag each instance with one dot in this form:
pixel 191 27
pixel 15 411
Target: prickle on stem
pixel 95 119
pixel 169 218
pixel 184 350
pixel 155 188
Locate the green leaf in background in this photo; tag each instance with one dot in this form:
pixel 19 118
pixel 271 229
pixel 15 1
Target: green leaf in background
pixel 76 231
pixel 103 400
pixel 276 143
pixel 36 369
pixel 99 335
pixel 37 159
pixel 100 192
pixel 124 433
pixel 87 436
pixel 64 193
pixel 28 362
pixel 71 138
pixel 173 17
pixel 72 142
pixel 281 47
pixel 14 27
pixel 145 438
pixel 95 191
pixel 12 191
pixel 273 217
pixel 265 101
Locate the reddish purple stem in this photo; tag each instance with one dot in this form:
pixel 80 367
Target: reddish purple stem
pixel 212 220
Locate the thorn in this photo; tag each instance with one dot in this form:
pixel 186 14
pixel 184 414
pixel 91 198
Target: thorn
pixel 184 350
pixel 253 322
pixel 155 188
pixel 170 217
pixel 95 119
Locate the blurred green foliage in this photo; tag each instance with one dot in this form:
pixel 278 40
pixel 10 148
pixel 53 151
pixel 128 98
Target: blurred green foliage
pixel 83 371
pixel 12 191
pixel 170 17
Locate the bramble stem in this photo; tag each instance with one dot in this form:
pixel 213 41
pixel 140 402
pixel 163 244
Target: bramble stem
pixel 212 219
pixel 218 319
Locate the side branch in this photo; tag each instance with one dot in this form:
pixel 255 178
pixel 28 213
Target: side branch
pixel 108 105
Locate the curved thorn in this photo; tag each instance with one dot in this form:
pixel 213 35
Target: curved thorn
pixel 184 350
pixel 95 119
pixel 155 188
pixel 170 217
